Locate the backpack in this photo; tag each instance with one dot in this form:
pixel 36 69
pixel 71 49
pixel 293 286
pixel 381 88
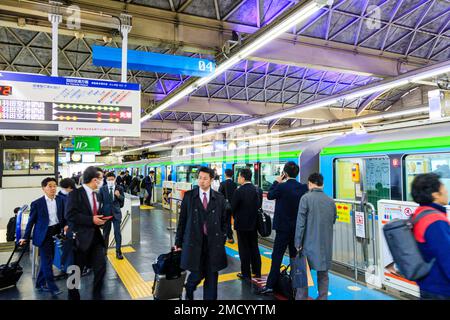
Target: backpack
pixel 168 264
pixel 403 246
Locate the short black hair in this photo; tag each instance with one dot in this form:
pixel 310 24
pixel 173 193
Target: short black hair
pixel 316 178
pixel 91 173
pixel 246 173
pixel 423 186
pixel 229 173
pixel 291 169
pixel 121 173
pixel 16 210
pixel 67 183
pixel 46 181
pixel 152 171
pixel 141 176
pixel 110 174
pixel 206 170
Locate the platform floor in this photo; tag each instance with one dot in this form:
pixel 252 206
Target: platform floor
pixel 132 277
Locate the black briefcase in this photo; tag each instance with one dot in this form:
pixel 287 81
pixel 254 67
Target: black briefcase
pixel 264 223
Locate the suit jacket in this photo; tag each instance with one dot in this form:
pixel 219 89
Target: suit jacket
pixel 148 182
pixel 80 219
pixel 227 188
pixel 39 219
pixel 111 207
pixel 190 231
pixel 287 196
pixel 247 199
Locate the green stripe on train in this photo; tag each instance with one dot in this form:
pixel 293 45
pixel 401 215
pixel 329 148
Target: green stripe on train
pixel 398 145
pixel 234 158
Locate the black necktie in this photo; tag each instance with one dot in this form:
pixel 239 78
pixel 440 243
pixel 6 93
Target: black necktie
pixel 111 194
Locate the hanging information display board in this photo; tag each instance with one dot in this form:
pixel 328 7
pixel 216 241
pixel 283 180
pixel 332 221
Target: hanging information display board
pixel 32 104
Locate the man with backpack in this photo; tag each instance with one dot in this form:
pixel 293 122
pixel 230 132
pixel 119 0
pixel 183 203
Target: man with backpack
pixel 432 232
pixel 11 228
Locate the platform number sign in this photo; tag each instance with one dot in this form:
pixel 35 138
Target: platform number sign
pixel 204 65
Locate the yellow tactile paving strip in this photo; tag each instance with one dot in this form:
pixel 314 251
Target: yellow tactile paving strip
pixel 144 207
pixel 136 286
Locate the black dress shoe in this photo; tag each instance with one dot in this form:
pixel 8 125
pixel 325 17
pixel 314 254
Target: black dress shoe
pixel 242 277
pixel 265 290
pixel 119 255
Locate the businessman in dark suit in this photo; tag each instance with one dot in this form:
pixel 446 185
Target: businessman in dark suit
pixel 247 199
pixel 83 216
pixel 112 199
pixel 227 188
pixel 46 219
pixel 287 192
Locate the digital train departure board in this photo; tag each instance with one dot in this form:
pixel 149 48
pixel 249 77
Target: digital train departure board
pixel 41 105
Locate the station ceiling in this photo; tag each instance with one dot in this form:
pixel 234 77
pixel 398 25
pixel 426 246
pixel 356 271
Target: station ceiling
pixel 338 49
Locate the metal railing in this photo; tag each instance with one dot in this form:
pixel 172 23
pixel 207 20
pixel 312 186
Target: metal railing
pixel 122 226
pixel 367 244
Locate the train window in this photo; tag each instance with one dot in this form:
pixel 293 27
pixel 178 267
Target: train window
pixel 239 166
pixel 181 173
pixel 269 172
pixel 42 161
pixel 158 175
pixel 16 161
pixel 217 167
pixel 375 177
pixel 425 163
pixel 169 173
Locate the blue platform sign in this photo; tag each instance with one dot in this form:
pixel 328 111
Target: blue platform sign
pixel 154 62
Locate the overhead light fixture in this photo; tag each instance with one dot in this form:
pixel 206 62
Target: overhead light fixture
pixel 406 78
pixel 270 33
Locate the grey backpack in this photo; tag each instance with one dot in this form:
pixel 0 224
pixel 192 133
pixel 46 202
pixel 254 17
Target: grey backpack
pixel 404 249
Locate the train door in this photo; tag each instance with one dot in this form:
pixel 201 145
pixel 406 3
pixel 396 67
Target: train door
pixel 373 174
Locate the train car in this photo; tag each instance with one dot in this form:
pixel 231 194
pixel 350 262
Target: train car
pixel 388 162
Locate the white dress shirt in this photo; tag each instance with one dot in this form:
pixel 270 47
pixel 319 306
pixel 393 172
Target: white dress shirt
pixel 52 211
pixel 89 192
pixel 204 191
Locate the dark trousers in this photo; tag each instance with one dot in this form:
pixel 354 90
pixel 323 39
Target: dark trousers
pixel 249 253
pixel 149 198
pixel 432 296
pixel 283 240
pixel 195 277
pixel 67 258
pixel 322 283
pixel 229 230
pixel 117 233
pixel 46 254
pixel 94 257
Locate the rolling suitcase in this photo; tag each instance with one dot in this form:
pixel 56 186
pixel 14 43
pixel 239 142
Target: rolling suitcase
pixel 11 272
pixel 169 277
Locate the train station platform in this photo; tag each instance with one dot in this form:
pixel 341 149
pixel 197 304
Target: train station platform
pixel 132 277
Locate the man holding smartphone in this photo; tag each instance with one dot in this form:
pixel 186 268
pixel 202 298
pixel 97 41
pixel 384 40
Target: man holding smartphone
pixel 83 218
pixel 287 192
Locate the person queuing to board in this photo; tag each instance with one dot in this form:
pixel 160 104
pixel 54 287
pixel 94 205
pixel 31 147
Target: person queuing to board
pixel 227 188
pixel 314 234
pixel 149 182
pixel 201 235
pixel 287 192
pixel 112 199
pixel 46 220
pixel 83 217
pixel 247 200
pixel 67 185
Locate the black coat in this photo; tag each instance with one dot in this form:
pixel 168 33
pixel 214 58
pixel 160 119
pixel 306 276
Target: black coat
pixel 190 231
pixel 227 188
pixel 247 199
pixel 80 218
pixel 287 196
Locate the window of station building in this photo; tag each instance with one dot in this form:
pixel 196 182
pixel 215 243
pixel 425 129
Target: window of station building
pixel 438 163
pixel 16 161
pixel 28 161
pixel 42 161
pixel 269 172
pixel 375 178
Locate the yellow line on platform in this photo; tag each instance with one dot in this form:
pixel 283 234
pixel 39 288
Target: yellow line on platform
pixel 131 279
pixel 144 207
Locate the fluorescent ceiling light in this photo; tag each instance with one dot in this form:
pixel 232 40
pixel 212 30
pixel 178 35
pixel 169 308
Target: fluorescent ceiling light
pixel 272 33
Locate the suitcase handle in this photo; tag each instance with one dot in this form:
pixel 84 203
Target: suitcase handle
pixel 14 251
